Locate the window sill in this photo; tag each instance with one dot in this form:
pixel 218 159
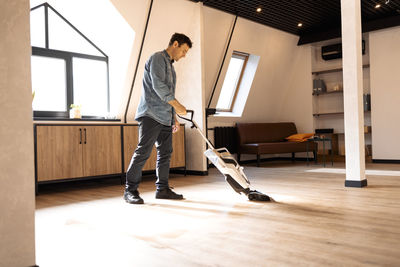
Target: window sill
pixel 225 114
pixel 68 119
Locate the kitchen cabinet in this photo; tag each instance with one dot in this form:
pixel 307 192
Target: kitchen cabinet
pixel 73 151
pixel 83 151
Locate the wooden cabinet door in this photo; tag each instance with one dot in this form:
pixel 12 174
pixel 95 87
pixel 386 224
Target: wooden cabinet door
pixel 102 150
pixel 178 146
pixel 59 152
pixel 131 138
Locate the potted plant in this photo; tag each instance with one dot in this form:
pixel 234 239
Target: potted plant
pixel 75 112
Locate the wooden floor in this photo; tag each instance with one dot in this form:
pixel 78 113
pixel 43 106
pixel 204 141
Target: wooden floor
pixel 314 221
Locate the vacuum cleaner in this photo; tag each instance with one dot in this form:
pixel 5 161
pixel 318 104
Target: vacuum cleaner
pixel 229 167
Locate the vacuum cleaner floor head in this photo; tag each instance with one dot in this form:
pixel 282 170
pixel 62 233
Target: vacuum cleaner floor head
pixel 255 195
pixel 234 174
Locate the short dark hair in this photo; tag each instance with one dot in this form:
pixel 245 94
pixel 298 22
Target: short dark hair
pixel 181 39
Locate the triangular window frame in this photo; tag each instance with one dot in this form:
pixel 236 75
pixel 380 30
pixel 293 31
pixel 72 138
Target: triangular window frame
pixel 68 57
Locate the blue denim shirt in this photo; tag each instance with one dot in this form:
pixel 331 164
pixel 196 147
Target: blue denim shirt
pixel 159 82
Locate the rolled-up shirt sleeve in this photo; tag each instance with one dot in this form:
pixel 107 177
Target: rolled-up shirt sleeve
pixel 158 73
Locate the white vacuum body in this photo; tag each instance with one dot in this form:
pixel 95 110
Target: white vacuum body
pixel 228 166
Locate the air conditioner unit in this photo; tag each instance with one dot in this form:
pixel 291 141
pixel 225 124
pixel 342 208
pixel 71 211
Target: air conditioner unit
pixel 335 51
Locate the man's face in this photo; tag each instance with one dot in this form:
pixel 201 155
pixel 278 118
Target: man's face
pixel 179 51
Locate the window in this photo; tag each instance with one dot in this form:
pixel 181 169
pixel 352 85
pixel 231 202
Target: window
pixel 232 81
pixel 48 74
pixel 67 68
pixel 90 79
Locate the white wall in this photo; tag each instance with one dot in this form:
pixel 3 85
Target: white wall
pixel 135 14
pixel 385 94
pixel 168 17
pixel 17 199
pixel 281 90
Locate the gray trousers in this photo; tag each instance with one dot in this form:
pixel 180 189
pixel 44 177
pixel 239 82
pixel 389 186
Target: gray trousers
pixel 151 132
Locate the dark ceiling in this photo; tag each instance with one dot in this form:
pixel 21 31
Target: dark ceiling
pixel 320 18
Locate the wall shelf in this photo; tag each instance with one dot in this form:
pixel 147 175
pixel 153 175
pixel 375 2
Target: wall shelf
pixel 343 133
pixel 333 113
pixel 327 113
pixel 325 93
pixel 334 70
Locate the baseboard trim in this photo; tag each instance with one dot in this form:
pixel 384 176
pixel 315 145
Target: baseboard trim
pixel 275 159
pixel 396 161
pixel 78 179
pixel 199 173
pixel 359 184
pixel 190 172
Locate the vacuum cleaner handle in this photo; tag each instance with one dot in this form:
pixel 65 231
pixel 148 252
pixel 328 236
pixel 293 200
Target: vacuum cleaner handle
pixel 194 125
pixel 191 118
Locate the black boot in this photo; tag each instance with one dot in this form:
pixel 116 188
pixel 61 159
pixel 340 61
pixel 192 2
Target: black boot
pixel 132 197
pixel 167 193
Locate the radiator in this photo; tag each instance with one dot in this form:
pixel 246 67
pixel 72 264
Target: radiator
pixel 226 137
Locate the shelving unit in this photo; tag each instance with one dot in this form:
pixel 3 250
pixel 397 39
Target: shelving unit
pixel 328 106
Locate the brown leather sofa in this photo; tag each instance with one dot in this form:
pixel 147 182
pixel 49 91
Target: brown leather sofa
pixel 269 138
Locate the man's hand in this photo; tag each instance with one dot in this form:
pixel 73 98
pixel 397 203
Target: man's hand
pixel 176 126
pixel 179 108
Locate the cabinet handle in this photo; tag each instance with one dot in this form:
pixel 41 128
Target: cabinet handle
pixel 80 136
pixel 85 135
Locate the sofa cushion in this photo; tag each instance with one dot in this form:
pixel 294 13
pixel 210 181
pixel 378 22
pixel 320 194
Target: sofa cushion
pixel 299 137
pixel 277 147
pixel 251 133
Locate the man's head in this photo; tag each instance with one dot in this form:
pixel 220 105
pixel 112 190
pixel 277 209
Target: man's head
pixel 178 46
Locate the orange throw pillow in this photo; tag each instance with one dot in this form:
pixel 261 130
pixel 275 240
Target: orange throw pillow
pixel 299 137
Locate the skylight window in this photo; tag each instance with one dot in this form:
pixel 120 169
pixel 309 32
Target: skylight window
pixel 232 81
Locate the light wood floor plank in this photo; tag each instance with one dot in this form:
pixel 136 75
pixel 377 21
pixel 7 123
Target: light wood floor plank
pixel 314 221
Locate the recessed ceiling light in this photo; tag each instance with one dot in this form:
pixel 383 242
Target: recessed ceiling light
pixel 259 9
pixel 378 6
pixel 300 24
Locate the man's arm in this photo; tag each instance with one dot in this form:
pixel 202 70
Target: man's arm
pixel 158 74
pixel 179 108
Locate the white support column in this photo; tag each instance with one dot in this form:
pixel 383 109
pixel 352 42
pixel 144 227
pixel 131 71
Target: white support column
pixel 353 93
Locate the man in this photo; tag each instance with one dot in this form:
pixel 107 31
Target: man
pixel 157 120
